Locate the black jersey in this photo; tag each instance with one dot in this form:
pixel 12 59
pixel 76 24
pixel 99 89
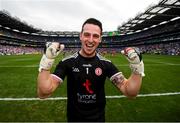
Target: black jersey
pixel 85 85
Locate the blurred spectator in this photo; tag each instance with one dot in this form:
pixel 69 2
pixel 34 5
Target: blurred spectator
pixel 164 49
pixel 17 50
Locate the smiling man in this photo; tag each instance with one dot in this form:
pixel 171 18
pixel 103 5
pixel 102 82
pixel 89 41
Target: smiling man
pixel 86 73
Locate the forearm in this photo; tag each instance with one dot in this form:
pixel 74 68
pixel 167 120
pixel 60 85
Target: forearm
pixel 46 82
pixel 133 85
pixel 45 86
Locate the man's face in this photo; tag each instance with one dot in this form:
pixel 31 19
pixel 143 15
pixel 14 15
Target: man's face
pixel 90 38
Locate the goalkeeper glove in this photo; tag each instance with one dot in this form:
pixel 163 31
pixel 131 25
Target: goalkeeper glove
pixel 134 57
pixel 51 51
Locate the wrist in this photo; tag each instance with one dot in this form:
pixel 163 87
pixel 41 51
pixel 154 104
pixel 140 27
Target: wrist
pixel 45 63
pixel 138 68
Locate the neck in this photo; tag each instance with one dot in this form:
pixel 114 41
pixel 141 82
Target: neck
pixel 81 52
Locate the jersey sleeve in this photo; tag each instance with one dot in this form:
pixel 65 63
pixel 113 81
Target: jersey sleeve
pixel 111 69
pixel 61 70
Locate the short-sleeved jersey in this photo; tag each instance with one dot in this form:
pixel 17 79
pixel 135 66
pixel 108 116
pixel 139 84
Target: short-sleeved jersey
pixel 85 85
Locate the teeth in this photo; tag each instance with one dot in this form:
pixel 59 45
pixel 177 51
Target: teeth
pixel 90 45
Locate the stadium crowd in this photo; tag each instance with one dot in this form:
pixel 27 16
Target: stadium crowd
pixel 18 50
pixel 172 48
pixel 163 49
pixel 163 39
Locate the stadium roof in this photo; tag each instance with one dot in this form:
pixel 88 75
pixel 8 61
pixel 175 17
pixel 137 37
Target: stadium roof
pixel 14 23
pixel 165 11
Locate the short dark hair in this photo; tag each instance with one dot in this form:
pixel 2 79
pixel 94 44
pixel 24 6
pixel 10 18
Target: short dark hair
pixel 93 21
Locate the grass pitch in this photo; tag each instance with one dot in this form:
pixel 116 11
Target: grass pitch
pixel 18 76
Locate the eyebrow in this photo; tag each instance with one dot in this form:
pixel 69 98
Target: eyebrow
pixel 91 33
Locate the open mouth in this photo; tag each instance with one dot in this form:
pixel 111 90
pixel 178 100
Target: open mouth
pixel 89 46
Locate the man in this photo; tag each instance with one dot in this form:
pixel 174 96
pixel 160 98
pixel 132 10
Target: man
pixel 86 73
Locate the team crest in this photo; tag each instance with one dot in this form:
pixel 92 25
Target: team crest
pixel 98 71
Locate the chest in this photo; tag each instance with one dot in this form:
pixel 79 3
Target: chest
pixel 85 69
pixel 86 76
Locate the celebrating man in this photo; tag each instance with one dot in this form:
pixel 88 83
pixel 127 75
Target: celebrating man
pixel 86 72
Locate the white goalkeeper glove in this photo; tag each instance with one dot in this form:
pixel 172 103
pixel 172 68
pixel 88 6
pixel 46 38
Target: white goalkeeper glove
pixel 51 51
pixel 134 57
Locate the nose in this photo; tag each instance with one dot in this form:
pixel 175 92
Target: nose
pixel 91 38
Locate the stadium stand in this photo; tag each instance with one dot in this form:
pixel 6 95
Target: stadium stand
pixel 15 23
pixel 165 11
pixel 156 31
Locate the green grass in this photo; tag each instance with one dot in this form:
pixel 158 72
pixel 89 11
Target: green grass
pixel 18 76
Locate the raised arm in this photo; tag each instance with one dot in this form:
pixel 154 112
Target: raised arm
pixel 46 82
pixel 130 87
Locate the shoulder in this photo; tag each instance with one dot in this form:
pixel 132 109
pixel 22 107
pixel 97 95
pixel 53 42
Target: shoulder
pixel 100 57
pixel 73 56
pixel 108 66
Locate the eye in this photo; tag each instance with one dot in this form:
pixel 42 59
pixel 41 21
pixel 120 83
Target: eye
pixel 86 34
pixel 96 36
